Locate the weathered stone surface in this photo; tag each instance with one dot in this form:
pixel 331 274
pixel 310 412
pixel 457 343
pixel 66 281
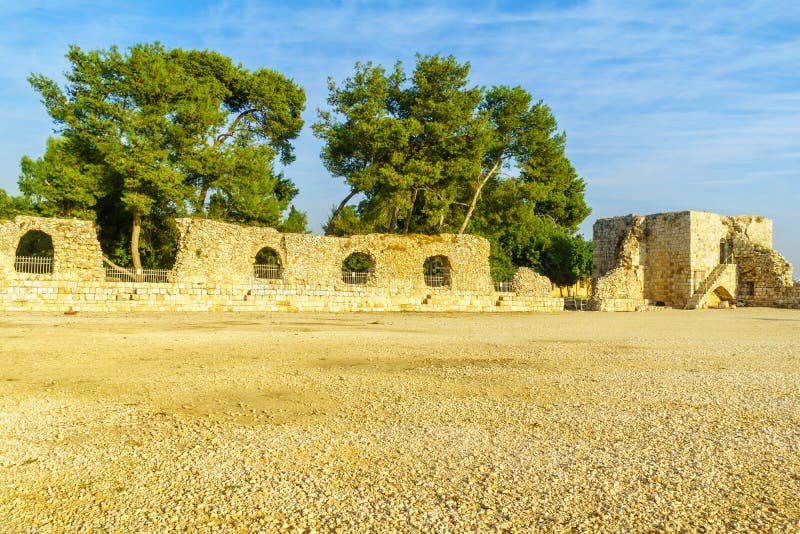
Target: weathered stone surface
pixel 620 283
pixel 222 252
pixel 529 282
pixel 214 272
pixel 689 259
pixel 77 254
pixel 619 290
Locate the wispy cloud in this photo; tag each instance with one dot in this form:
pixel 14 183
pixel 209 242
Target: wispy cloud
pixel 667 105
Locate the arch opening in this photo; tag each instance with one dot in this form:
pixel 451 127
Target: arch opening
pixel 723 293
pixel 34 253
pixel 720 298
pixel 437 271
pixel 267 265
pixel 358 268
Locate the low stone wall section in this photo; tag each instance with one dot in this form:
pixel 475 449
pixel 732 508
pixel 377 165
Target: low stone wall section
pixel 765 277
pixel 527 282
pixel 214 272
pixel 59 296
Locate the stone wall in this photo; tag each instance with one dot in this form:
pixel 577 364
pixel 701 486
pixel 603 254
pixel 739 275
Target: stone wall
pixel 529 282
pixel 57 296
pixel 610 237
pixel 618 290
pixel 686 260
pixel 765 277
pixel 77 254
pixel 214 272
pixel 221 252
pixel 666 242
pixel 754 228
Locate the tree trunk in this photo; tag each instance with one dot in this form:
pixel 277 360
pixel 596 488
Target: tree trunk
pixel 477 194
pixel 410 212
pixel 137 229
pixel 201 201
pixel 336 213
pixel 393 223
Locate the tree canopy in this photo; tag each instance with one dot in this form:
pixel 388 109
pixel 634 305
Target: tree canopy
pixel 151 133
pixel 11 206
pixel 427 152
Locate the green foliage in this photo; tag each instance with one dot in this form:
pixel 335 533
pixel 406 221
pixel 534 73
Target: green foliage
pixel 10 206
pixel 58 183
pixel 358 262
pixel 402 142
pixel 295 222
pixel 35 244
pixel 565 259
pixel 520 237
pixel 237 123
pixel 436 266
pixel 158 244
pixel 267 256
pixel 582 257
pixel 152 133
pixel 347 223
pixel 428 153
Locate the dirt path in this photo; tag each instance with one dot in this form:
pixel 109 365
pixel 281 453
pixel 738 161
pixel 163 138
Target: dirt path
pixel 660 420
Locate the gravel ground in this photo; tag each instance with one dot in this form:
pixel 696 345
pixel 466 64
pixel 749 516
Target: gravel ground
pixel 658 421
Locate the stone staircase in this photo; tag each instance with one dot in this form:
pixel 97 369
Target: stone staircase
pixel 721 273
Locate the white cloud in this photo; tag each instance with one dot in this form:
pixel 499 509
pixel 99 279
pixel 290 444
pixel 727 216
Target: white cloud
pixel 656 98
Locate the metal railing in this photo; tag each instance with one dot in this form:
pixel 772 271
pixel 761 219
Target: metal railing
pixel 155 276
pixel 699 279
pixel 268 271
pixel 437 280
pixel 576 303
pixel 356 277
pixel 503 286
pixel 33 264
pixel 503 280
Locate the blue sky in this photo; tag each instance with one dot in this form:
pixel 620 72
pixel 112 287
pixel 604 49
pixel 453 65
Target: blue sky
pixel 667 105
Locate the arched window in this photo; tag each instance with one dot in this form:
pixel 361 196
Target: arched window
pixel 358 268
pixel 34 253
pixel 267 265
pixel 437 271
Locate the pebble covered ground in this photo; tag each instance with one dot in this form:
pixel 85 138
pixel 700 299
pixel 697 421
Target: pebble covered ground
pixel 587 422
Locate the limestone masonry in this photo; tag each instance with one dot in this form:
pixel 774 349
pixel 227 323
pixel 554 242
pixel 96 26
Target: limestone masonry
pixel 689 259
pixel 214 271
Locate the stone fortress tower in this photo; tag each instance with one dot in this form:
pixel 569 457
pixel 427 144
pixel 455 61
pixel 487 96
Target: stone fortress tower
pixel 689 259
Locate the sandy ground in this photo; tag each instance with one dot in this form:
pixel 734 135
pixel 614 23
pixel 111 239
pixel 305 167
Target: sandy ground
pixel 663 420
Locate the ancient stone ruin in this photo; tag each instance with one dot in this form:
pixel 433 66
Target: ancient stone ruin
pixel 226 267
pixel 689 259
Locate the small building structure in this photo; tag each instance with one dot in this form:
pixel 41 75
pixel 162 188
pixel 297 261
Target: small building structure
pixel 689 259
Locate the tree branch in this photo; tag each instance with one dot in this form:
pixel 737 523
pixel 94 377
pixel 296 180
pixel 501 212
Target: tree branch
pixel 222 137
pixel 410 211
pixel 336 213
pixel 478 189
